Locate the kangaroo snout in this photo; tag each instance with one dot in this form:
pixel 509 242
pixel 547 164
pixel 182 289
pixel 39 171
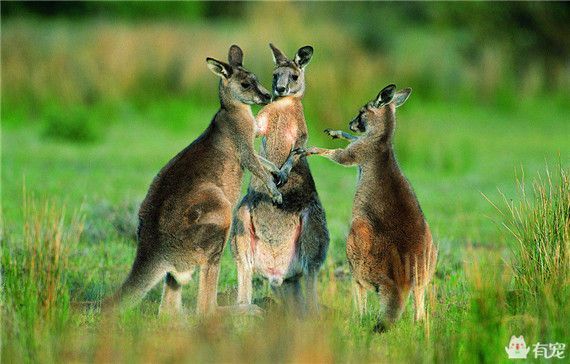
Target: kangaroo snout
pixel 265 98
pixel 353 125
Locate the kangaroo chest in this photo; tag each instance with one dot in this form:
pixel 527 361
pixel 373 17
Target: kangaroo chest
pixel 281 137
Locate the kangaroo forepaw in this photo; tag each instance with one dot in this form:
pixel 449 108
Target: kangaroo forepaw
pixel 277 198
pixel 280 178
pixel 298 151
pixel 332 133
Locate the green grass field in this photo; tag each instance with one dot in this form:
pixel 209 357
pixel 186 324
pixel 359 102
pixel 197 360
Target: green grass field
pixel 453 154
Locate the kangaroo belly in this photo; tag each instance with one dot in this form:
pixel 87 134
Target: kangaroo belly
pixel 275 244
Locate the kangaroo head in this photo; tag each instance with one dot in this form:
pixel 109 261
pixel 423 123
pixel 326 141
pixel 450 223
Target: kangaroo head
pixel 378 116
pixel 237 83
pixel 289 76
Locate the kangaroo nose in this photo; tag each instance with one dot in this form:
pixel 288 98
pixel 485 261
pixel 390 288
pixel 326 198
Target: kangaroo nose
pixel 280 89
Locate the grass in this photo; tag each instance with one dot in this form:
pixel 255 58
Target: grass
pixel 479 298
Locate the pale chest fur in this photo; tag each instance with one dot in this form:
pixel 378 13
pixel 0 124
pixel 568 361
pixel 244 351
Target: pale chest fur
pixel 282 123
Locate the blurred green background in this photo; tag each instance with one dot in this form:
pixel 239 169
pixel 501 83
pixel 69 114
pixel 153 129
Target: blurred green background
pixel 97 96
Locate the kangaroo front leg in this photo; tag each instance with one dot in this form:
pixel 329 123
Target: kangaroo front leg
pixel 283 173
pixel 269 165
pixel 280 176
pixel 253 163
pixel 345 157
pixel 339 134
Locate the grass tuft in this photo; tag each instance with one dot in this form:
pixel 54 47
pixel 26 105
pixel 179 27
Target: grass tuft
pixel 34 289
pixel 540 225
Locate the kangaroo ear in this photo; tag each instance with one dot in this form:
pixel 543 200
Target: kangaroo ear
pixel 385 95
pixel 278 56
pixel 401 96
pixel 303 56
pixel 235 56
pixel 219 68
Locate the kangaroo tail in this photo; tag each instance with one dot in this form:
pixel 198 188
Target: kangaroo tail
pixel 144 275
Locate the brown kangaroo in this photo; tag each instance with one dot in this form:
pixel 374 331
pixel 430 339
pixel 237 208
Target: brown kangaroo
pixel 286 242
pixel 186 216
pixel 389 247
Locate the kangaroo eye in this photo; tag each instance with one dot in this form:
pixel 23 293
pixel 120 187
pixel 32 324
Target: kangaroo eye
pixel 294 77
pixel 245 85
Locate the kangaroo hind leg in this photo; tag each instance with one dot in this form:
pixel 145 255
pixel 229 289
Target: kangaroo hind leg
pixel 171 302
pixel 360 298
pixel 243 246
pixel 291 296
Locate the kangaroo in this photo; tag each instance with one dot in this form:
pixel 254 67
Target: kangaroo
pixel 185 218
pixel 389 247
pixel 286 242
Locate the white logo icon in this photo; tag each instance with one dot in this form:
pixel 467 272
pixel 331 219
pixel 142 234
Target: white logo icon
pixel 517 348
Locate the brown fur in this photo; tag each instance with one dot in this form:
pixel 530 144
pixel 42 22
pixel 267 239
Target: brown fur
pixel 389 247
pixel 185 218
pixel 286 242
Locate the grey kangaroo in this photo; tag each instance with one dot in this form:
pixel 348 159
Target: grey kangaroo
pixel 185 218
pixel 286 242
pixel 389 247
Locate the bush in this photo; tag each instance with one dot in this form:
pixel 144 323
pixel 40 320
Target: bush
pixel 76 124
pixel 105 220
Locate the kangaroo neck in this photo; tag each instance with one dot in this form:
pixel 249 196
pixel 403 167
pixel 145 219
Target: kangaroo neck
pixel 384 165
pixel 296 98
pixel 235 121
pixel 287 109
